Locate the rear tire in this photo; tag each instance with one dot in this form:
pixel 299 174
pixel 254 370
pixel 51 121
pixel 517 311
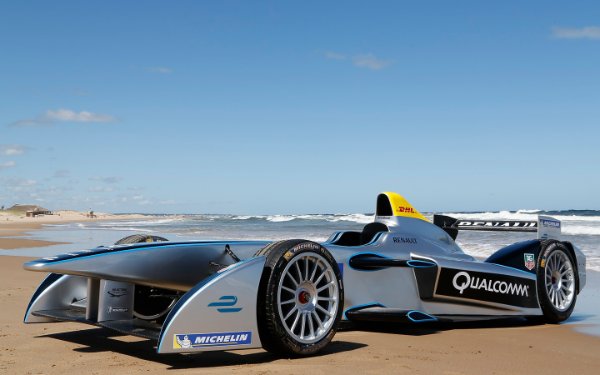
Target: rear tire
pixel 300 299
pixel 556 281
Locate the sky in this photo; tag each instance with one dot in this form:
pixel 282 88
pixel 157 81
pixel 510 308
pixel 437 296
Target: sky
pixel 281 107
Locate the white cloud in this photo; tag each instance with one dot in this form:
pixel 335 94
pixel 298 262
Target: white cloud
pixel 168 201
pixel 101 189
pixel 62 173
pixel 72 116
pixel 107 180
pixel 334 55
pixel 18 184
pixel 367 61
pixel 370 61
pixel 11 150
pixel 589 32
pixel 7 164
pixel 64 115
pixel 159 69
pixel 141 200
pixel 135 199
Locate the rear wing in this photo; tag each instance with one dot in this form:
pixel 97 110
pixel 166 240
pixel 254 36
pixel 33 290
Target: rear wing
pixel 546 227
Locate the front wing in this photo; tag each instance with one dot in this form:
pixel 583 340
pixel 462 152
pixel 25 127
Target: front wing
pixel 219 313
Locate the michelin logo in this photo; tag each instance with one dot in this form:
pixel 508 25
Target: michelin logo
pixel 200 340
pixel 463 280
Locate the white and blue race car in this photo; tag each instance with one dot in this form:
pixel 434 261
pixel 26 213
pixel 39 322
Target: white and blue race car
pixel 290 297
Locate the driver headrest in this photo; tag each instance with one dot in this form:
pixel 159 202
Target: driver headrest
pixel 370 230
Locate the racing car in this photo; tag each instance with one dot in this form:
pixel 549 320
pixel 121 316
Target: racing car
pixel 289 297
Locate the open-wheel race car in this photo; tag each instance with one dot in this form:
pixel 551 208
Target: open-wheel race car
pixel 290 296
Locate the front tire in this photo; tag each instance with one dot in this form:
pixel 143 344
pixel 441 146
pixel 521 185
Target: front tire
pixel 557 282
pixel 150 303
pixel 300 299
pixel 139 238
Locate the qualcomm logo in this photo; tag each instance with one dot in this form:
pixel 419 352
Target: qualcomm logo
pixel 226 304
pixel 463 280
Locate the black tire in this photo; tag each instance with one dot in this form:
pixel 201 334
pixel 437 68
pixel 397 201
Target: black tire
pixel 139 238
pixel 153 304
pixel 554 288
pixel 275 332
pixel 150 303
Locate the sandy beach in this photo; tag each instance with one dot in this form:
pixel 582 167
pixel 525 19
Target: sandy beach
pixel 507 347
pixel 14 228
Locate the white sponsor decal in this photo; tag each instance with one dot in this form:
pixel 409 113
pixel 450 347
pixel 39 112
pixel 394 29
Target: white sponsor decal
pixel 463 280
pixel 550 223
pixel 497 224
pixel 197 340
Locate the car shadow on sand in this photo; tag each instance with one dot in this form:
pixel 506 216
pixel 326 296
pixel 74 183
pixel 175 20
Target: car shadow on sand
pixel 430 328
pixel 103 340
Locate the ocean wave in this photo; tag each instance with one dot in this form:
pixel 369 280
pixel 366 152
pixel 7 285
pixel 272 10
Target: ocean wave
pixel 578 230
pixel 528 211
pixel 280 218
pixel 149 222
pixel 126 229
pixel 332 218
pixel 355 218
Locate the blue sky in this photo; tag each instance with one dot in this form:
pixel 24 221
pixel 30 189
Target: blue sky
pixel 299 107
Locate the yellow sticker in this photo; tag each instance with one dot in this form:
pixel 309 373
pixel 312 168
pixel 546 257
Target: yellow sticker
pixel 401 207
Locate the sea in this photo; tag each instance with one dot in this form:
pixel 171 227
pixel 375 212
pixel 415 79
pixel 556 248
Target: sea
pixel 581 227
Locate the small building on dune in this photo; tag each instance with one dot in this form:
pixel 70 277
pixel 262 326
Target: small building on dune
pixel 30 210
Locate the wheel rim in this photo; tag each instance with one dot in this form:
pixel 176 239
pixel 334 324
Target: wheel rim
pixel 307 298
pixel 560 280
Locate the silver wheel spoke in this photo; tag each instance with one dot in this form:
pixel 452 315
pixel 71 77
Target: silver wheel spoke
pixel 323 310
pixel 326 286
pixel 299 272
pixel 562 267
pixel 312 277
pixel 289 301
pixel 562 294
pixel 288 289
pixel 311 326
pixel 293 310
pixel 292 278
pixel 295 321
pixel 325 299
pixel 319 278
pixel 314 313
pixel 303 325
pixel 306 268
